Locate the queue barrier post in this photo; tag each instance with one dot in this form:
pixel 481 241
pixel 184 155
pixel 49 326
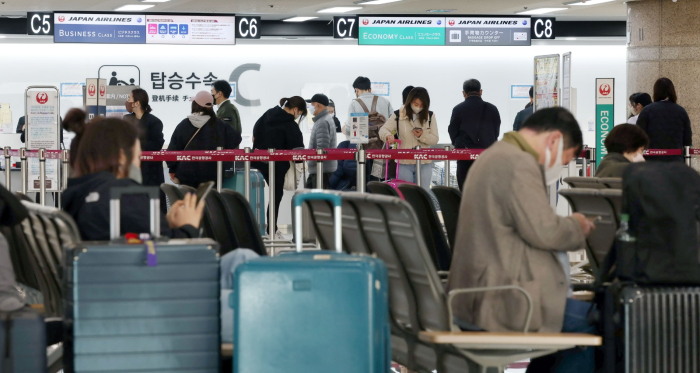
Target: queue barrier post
pixel 64 176
pixel 446 179
pixel 584 163
pixel 271 203
pixel 418 170
pixel 219 173
pixel 593 161
pixel 246 175
pixel 361 158
pixel 42 176
pixel 8 168
pixel 686 155
pixel 23 168
pixel 319 170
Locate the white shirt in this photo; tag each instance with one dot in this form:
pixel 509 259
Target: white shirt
pixel 633 120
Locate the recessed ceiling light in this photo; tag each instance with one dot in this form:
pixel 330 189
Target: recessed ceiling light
pixel 541 10
pixel 299 19
pixel 2 36
pixel 589 2
pixel 154 1
pixel 440 10
pixel 133 8
pixel 339 9
pixel 376 2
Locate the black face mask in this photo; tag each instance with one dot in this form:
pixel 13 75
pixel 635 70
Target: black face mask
pixel 214 97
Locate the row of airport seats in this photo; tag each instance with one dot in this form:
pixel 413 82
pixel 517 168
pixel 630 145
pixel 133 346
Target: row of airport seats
pixel 424 338
pixel 603 205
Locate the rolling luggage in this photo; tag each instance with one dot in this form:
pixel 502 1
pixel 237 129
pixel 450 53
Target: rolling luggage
pixel 151 306
pixel 312 312
pixel 22 342
pixel 257 193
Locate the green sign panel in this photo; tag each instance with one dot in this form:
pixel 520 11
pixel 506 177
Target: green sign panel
pixel 604 115
pixel 401 31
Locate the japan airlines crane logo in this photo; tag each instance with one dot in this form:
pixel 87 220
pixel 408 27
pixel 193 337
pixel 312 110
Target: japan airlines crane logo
pixel 42 98
pixel 61 18
pixel 103 89
pixel 365 22
pixel 604 89
pixel 91 90
pixel 451 22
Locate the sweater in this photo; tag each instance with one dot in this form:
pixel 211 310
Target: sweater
pixel 323 136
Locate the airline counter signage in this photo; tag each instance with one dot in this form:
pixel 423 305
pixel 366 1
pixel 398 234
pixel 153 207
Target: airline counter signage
pixel 604 114
pixel 99 28
pixel 187 29
pixel 401 31
pixel 488 31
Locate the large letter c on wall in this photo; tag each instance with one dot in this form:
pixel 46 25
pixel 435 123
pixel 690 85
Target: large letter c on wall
pixel 235 75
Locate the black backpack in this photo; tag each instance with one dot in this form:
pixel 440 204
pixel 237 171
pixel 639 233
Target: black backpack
pixel 663 203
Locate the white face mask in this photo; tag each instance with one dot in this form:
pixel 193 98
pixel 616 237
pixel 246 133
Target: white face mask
pixel 638 157
pixel 416 109
pixel 552 174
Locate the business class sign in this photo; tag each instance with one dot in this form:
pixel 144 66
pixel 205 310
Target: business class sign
pixel 401 31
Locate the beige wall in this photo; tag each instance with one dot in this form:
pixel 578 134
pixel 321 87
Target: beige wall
pixel 665 42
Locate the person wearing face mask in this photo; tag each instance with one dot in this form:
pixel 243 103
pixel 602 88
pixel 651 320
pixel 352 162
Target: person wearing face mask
pixel 415 126
pixel 638 101
pixel 331 111
pixel 151 135
pixel 509 234
pixel 322 137
pixel 201 130
pixel 625 145
pixel 107 155
pixel 221 91
pixel 278 129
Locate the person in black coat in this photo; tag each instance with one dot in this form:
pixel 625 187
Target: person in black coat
pixel 108 155
pixel 331 110
pixel 277 129
pixel 522 115
pixel 201 130
pixel 475 124
pixel 152 139
pixel 666 123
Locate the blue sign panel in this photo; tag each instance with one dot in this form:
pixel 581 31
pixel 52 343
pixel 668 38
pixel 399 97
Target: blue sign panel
pixel 173 30
pixel 184 29
pixel 163 29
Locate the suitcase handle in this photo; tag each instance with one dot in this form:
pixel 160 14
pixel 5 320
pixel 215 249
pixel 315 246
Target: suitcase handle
pixel 386 169
pixel 115 195
pixel 337 213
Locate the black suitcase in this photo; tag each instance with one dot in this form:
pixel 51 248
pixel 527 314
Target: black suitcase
pixel 22 342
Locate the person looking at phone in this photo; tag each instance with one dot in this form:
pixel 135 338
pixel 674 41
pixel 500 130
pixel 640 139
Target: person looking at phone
pixel 107 155
pixel 415 125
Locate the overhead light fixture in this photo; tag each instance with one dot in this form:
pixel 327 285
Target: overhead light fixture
pixel 133 8
pixel 375 2
pixel 589 2
pixel 339 9
pixel 2 36
pixel 440 10
pixel 541 11
pixel 570 39
pixel 154 1
pixel 298 19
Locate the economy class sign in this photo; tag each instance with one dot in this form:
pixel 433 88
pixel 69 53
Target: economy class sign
pixel 401 31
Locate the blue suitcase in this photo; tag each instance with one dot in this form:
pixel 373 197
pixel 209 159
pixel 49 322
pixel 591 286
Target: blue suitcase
pixel 312 312
pixel 22 342
pixel 133 309
pixel 257 193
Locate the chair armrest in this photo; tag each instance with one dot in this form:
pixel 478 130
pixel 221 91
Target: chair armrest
pixel 490 340
pixel 227 349
pixel 452 294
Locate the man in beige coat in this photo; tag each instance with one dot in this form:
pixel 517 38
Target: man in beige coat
pixel 510 235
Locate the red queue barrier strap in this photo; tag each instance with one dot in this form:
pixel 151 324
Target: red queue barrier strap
pixel 50 154
pixel 662 152
pixel 694 151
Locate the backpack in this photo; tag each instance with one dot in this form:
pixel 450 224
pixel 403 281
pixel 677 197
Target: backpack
pixel 376 122
pixel 663 203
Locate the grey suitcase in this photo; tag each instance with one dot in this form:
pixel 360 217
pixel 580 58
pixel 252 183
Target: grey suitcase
pixel 22 342
pixel 130 308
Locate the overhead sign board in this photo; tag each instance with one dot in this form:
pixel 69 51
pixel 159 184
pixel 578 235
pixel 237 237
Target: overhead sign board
pixel 488 31
pixel 345 28
pixel 99 28
pixel 402 31
pixel 543 28
pixel 186 29
pixel 39 23
pixel 248 27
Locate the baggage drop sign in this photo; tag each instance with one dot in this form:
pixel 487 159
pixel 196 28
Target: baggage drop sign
pixel 401 31
pixel 604 114
pixel 488 31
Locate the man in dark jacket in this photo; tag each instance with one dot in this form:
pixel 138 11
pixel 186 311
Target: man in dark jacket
pixel 221 91
pixel 475 124
pixel 523 114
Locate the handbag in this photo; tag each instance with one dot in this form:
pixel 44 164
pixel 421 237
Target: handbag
pixel 175 179
pixel 291 178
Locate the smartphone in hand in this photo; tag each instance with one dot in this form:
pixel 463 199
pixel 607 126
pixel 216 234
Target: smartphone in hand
pixel 203 190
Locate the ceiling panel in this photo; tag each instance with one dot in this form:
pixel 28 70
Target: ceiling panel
pixel 278 9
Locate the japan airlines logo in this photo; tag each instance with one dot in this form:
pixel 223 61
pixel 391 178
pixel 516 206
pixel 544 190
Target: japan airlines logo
pixel 365 22
pixel 103 90
pixel 451 22
pixel 42 98
pixel 91 90
pixel 61 18
pixel 604 89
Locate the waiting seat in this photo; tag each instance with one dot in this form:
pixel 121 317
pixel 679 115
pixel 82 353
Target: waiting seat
pixel 594 204
pixel 611 182
pixel 584 182
pixel 422 204
pixel 450 200
pixel 245 227
pixel 376 187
